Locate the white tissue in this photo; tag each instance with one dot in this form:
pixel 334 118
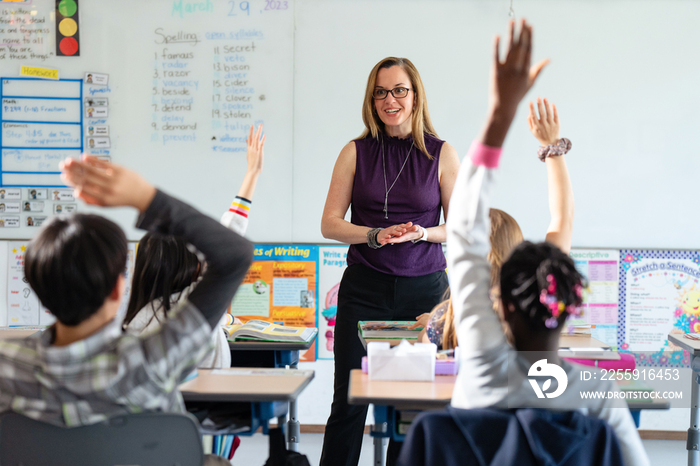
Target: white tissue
pixel 404 362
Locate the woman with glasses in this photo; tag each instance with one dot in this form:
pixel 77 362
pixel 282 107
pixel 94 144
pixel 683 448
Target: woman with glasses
pixel 397 178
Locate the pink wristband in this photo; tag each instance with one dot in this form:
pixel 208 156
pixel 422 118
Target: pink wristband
pixel 487 156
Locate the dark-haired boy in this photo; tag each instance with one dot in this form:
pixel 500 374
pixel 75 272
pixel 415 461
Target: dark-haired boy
pixel 84 369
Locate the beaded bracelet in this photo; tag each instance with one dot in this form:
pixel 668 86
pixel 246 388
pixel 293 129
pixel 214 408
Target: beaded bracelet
pixel 561 147
pixel 372 238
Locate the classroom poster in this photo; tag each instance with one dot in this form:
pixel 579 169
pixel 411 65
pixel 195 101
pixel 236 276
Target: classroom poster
pixel 600 297
pixel 23 306
pixel 280 286
pixel 661 295
pixel 332 262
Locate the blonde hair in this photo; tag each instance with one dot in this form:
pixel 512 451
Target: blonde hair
pixel 505 235
pixel 449 334
pixel 420 118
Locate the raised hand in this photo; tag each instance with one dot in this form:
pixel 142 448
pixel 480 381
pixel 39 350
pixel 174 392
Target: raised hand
pixel 510 81
pixel 255 152
pixel 254 157
pixel 545 127
pixel 105 184
pixel 513 77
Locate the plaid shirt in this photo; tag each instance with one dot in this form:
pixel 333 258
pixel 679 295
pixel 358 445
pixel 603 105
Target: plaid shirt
pixel 110 372
pixel 106 374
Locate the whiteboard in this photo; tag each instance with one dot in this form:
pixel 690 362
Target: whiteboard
pixel 620 75
pixel 185 82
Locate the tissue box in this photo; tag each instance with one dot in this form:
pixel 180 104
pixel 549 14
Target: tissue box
pixel 442 366
pixel 404 362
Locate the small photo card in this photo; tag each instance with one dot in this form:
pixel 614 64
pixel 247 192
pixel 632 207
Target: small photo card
pixel 9 207
pixel 11 193
pixel 96 102
pixel 35 221
pixel 62 195
pixel 32 206
pixel 97 112
pixel 37 193
pixel 98 130
pixel 98 79
pixel 9 222
pixel 65 208
pixel 97 143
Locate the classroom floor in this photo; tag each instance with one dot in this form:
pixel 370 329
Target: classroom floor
pixel 254 451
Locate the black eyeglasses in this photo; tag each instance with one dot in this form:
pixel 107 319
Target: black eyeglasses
pixel 397 92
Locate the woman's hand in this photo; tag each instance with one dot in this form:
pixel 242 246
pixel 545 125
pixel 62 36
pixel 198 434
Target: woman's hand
pixel 106 184
pixel 421 320
pixel 399 233
pixel 545 127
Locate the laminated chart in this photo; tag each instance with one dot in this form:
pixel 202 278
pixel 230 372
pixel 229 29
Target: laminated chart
pixel 42 124
pixel 600 297
pixel 660 294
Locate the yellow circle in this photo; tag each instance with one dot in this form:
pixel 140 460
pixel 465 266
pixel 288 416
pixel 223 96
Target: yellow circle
pixel 68 27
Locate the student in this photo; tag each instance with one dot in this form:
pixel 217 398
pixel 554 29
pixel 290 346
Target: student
pixel 539 284
pixel 83 369
pixel 505 232
pixel 166 272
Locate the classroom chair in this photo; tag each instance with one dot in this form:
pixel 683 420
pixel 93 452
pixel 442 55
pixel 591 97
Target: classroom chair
pixel 154 439
pixel 523 437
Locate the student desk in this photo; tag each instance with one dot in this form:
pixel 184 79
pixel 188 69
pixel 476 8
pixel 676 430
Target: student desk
pixel 273 354
pixel 693 442
pixel 268 390
pixel 565 341
pixel 569 341
pixel 388 396
pixel 10 333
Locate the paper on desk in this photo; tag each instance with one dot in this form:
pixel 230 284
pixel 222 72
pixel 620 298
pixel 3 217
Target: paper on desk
pixel 411 362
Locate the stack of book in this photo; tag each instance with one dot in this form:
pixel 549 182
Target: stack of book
pixel 391 331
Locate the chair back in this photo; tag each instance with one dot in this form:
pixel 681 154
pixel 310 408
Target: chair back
pixel 522 437
pixel 154 439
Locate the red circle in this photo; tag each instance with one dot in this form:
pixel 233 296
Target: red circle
pixel 68 46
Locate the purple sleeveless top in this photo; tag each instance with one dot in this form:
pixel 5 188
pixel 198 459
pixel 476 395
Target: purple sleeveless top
pixel 414 198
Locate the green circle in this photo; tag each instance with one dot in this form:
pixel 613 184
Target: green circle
pixel 67 8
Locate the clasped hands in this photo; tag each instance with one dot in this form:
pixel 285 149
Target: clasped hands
pixel 400 233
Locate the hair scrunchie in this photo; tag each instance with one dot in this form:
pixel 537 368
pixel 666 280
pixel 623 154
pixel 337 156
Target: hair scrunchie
pixel 561 147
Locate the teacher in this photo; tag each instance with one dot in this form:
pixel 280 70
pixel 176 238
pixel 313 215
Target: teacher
pixel 396 178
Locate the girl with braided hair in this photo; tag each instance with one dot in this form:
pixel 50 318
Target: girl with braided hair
pixel 539 287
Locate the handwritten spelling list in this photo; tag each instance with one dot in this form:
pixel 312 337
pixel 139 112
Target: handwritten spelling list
pixel 204 82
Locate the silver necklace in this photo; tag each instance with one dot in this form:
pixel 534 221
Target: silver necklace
pixel 386 190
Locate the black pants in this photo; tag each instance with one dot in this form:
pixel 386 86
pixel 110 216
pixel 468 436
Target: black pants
pixel 366 294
